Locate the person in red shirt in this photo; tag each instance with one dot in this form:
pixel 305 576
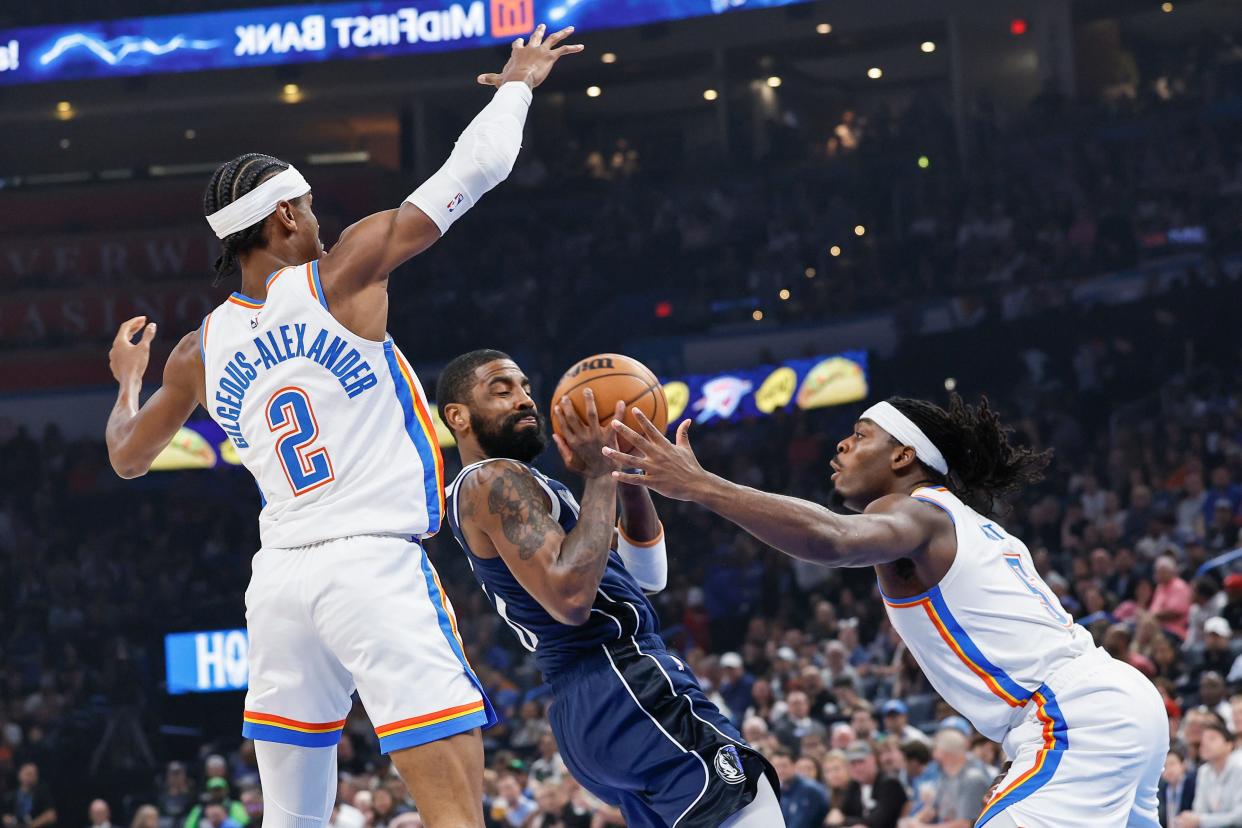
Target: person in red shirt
pixel 1170 602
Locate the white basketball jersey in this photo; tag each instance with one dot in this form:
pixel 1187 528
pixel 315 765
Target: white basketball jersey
pixel 991 632
pixel 335 428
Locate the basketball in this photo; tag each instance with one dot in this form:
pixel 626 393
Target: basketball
pixel 613 377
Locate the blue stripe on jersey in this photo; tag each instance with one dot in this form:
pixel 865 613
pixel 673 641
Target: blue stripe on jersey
pixel 1046 760
pixel 426 451
pixel 323 300
pixel 958 634
pixel 939 504
pixel 202 338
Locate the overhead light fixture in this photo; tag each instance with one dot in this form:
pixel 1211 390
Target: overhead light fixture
pixel 64 110
pixel 810 273
pixel 190 135
pixel 64 143
pixel 875 73
pixel 291 92
pixel 774 82
pixel 834 251
pixel 784 294
pixel 1167 8
pixel 608 57
pixel 824 28
pixel 710 94
pixel 594 91
pixel 757 315
pixel 860 231
pixel 928 47
pixel 924 162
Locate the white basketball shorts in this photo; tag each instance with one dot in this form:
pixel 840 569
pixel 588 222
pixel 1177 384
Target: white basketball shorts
pixel 364 612
pixel 1088 753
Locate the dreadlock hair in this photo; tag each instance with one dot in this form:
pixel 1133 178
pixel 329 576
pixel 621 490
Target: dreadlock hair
pixel 229 182
pixel 453 385
pixel 984 466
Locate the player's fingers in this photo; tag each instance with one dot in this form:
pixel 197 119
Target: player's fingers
pixel 569 417
pixel 130 327
pixel 683 434
pixel 633 479
pixel 647 426
pixel 572 49
pixel 536 37
pixel 631 436
pixel 592 413
pixel 519 43
pixel 555 38
pixel 147 335
pixel 623 460
pixel 567 456
pixel 489 79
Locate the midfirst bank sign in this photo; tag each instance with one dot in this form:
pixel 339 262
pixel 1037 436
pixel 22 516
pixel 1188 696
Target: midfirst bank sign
pixel 313 33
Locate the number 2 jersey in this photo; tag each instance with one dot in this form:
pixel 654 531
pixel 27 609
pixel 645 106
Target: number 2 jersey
pixel 621 610
pixel 335 428
pixel 991 633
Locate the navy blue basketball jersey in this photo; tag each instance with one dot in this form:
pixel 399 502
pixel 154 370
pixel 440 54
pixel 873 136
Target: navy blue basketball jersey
pixel 621 610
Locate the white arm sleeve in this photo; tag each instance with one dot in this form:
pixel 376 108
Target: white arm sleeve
pixel 647 562
pixel 483 157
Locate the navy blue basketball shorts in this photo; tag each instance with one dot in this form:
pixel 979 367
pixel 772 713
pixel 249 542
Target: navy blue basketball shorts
pixel 637 731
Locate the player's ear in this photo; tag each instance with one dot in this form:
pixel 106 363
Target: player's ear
pixel 456 417
pixel 287 216
pixel 903 456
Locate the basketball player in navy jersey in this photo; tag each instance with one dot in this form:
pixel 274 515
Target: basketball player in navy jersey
pixel 632 723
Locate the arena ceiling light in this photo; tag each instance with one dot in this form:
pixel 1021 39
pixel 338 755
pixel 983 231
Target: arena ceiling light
pixel 1167 8
pixel 594 91
pixel 608 57
pixel 774 82
pixel 784 294
pixel 190 135
pixel 860 231
pixel 824 28
pixel 757 315
pixel 834 251
pixel 291 93
pixel 710 94
pixel 64 110
pixel 875 73
pixel 928 46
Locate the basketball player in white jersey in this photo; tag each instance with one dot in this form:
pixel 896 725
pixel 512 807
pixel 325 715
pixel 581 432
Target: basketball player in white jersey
pixel 1086 735
pixel 325 412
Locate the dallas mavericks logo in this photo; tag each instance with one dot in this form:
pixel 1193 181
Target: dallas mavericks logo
pixel 729 765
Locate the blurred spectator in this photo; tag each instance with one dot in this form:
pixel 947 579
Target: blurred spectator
pixel 177 797
pixel 511 806
pixel 958 797
pixel 555 810
pixel 883 798
pixel 1176 792
pixel 147 816
pixel 797 722
pixel 804 802
pixel 736 686
pixel 845 794
pixel 1170 603
pixel 30 805
pixel 1218 786
pixel 897 722
pixel 217 793
pixel 100 814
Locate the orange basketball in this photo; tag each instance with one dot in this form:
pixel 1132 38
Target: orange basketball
pixel 613 377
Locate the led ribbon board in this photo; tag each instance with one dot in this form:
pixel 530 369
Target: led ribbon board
pixel 313 33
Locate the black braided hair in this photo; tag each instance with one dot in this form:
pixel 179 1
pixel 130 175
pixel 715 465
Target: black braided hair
pixel 984 466
pixel 229 182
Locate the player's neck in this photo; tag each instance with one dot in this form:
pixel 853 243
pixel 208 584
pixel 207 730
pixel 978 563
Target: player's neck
pixel 256 266
pixel 470 455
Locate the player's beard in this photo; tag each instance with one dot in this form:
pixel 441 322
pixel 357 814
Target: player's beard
pixel 508 440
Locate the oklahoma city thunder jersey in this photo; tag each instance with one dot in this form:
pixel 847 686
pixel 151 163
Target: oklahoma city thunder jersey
pixel 991 632
pixel 335 428
pixel 621 609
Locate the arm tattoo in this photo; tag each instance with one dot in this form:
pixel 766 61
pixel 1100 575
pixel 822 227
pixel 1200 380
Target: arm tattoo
pixel 517 501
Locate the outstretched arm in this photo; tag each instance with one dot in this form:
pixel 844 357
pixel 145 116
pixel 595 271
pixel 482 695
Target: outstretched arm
pixel 136 435
pixel 889 530
pixel 483 156
pixel 561 571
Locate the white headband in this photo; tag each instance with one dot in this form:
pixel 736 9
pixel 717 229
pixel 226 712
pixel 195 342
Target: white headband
pixel 259 203
pixel 904 431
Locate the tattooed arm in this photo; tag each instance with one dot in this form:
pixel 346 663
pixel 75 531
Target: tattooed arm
pixel 561 571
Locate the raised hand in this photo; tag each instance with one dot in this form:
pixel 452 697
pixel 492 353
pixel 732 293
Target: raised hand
pixel 582 444
pixel 531 62
pixel 128 359
pixel 668 468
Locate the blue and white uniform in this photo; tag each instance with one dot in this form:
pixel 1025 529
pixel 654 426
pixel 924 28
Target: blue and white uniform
pixel 336 431
pixel 1087 734
pixel 631 720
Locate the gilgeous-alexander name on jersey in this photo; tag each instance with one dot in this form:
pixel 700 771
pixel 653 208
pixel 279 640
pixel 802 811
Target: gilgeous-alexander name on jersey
pixel 335 428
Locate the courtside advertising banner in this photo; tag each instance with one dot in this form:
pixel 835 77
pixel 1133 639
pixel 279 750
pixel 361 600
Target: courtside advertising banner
pixel 312 33
pixel 212 661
